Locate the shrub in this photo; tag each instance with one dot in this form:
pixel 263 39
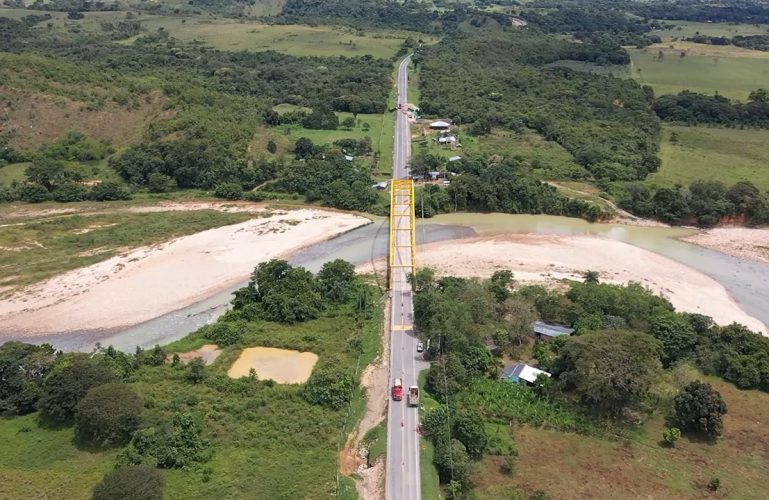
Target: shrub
pixel 33 193
pixel 107 415
pixel 160 183
pixel 171 445
pixel 133 482
pixel 671 435
pixel 196 371
pixel 229 191
pixel 330 386
pixel 714 484
pixel 222 333
pixel 700 408
pixel 70 191
pixel 109 191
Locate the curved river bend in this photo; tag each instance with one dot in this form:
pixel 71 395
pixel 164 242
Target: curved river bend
pixel 747 282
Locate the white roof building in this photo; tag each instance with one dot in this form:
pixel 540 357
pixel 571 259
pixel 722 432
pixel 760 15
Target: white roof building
pixel 522 371
pixel 440 124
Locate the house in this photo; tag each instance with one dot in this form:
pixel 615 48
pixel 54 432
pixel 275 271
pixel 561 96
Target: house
pixel 544 331
pixel 440 125
pixel 522 372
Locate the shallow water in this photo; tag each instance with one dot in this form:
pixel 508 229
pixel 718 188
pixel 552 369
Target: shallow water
pixel 747 282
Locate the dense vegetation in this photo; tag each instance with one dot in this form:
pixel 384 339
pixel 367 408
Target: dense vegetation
pixel 206 432
pixel 603 377
pixel 703 202
pixel 691 108
pixel 604 122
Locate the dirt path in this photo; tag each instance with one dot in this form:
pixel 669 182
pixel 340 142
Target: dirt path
pixel 353 458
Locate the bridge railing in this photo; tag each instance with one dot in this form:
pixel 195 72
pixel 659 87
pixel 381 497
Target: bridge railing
pixel 402 230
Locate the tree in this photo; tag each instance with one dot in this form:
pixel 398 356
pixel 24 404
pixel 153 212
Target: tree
pixel 169 445
pixel 272 147
pixel 33 193
pixel 330 386
pixel 196 371
pixel 74 376
pixel 108 415
pixel 348 122
pixel 671 435
pixel 229 191
pixel 49 173
pixel 590 277
pixel 223 333
pixel 759 95
pixel 469 429
pixel 500 283
pixel 676 334
pixel 336 280
pixel 304 148
pixel 109 191
pixel 700 409
pixel 321 117
pixel 609 370
pixel 452 462
pixel 517 315
pixel 132 482
pixel 23 368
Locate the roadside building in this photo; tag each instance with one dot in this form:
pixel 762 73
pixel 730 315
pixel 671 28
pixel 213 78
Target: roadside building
pixel 440 125
pixel 545 331
pixel 521 372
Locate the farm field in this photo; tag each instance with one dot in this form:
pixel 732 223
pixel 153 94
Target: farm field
pixel 701 153
pixel 731 71
pixel 691 28
pixel 639 467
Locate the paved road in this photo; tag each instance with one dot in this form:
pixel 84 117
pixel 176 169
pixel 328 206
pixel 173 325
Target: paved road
pixel 402 473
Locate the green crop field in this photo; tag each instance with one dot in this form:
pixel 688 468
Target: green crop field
pixel 730 71
pixel 689 28
pixel 701 153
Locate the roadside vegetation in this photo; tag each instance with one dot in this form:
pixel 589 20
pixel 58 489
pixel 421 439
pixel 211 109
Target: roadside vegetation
pixel 205 433
pixel 628 374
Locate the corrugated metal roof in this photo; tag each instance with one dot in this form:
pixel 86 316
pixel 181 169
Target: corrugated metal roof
pixel 523 372
pixel 551 330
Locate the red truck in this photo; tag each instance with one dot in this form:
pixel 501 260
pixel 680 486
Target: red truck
pixel 397 391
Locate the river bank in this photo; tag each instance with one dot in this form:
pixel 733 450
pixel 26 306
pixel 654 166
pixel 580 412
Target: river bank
pixel 550 259
pixel 149 282
pixel 742 242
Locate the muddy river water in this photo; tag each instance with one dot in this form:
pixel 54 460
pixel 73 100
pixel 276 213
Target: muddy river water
pixel 746 281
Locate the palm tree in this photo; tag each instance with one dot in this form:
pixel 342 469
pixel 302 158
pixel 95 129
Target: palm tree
pixel 590 277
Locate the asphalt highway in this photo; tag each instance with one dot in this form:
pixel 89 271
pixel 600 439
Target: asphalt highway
pixel 403 440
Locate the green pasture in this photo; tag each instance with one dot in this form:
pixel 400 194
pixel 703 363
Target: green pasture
pixel 683 29
pixel 730 71
pixel 702 153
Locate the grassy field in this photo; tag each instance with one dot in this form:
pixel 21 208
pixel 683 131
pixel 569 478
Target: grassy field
pixel 690 28
pixel 728 155
pixel 38 249
pixel 574 466
pixel 298 40
pixel 730 71
pixel 43 463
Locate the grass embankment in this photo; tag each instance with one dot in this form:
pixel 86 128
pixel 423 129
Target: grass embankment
pixel 701 153
pixel 37 249
pixel 427 470
pixel 639 466
pixel 268 442
pixel 731 71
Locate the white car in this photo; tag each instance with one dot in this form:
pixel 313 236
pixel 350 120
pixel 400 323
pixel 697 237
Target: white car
pixel 420 347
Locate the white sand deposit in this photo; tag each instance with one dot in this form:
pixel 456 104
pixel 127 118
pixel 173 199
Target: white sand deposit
pixel 151 281
pixel 741 242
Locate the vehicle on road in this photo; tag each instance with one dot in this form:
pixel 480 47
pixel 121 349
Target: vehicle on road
pixel 413 397
pixel 420 347
pixel 397 391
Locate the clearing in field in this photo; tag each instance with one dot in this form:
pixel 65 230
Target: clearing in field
pixel 702 153
pixel 731 71
pixel 281 365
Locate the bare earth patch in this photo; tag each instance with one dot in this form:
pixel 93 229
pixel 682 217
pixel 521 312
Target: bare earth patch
pixel 281 365
pixel 208 353
pixel 742 242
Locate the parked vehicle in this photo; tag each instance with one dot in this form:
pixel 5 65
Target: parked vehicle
pixel 420 347
pixel 397 390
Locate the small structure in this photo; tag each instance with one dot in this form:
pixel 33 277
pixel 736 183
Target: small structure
pixel 348 157
pixel 544 331
pixel 447 139
pixel 440 125
pixel 455 158
pixel 381 186
pixel 522 372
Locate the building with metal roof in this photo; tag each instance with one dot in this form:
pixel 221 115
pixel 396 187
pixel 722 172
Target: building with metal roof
pixel 546 331
pixel 440 125
pixel 522 372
